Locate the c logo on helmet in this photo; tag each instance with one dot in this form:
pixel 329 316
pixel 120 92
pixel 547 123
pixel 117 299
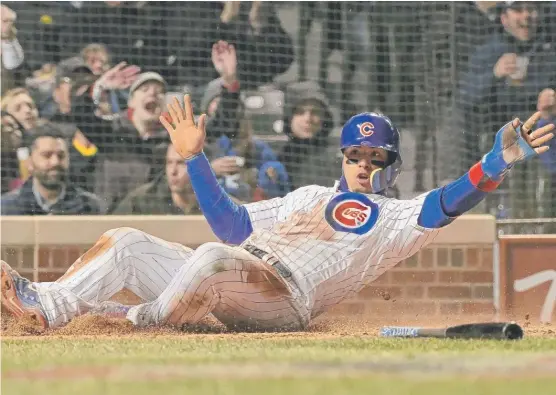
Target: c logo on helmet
pixel 366 129
pixel 351 212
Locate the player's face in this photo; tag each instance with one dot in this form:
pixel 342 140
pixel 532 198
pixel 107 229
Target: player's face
pixel 147 101
pixel 359 163
pixel 23 108
pixel 50 162
pixel 176 171
pixel 306 121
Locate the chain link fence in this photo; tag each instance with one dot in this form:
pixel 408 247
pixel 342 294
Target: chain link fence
pixel 449 74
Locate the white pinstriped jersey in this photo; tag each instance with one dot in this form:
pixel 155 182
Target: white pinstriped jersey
pixel 335 243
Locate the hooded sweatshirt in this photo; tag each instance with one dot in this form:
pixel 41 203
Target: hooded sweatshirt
pixel 309 161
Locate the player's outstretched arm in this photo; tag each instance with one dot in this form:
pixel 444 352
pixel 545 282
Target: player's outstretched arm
pixel 515 142
pixel 229 222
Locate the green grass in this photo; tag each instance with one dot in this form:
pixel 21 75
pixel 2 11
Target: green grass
pixel 261 364
pixel 346 386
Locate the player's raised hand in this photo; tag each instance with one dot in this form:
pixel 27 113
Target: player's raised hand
pixel 187 138
pixel 516 142
pixel 536 139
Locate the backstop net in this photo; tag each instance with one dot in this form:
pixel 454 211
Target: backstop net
pixel 278 80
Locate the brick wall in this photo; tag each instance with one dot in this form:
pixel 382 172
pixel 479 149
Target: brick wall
pixel 437 281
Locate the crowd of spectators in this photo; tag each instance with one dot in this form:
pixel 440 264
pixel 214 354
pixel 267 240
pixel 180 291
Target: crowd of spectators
pixel 84 85
pixel 511 74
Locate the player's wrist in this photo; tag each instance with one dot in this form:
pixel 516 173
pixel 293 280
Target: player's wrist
pixel 191 156
pixel 494 166
pixel 481 180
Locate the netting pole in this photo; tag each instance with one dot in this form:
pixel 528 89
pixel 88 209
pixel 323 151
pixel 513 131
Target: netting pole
pixel 305 23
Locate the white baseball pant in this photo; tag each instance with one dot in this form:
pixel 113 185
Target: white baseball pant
pixel 179 285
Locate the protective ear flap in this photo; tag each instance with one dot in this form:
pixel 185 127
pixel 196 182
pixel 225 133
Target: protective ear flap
pixel 384 178
pixel 378 180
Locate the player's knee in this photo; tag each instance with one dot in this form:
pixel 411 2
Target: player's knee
pixel 125 240
pixel 212 258
pixel 124 232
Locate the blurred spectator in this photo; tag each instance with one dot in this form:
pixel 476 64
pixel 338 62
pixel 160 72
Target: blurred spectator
pixel 73 78
pixel 506 74
pixel 262 44
pixel 307 123
pixel 547 104
pixel 476 22
pixel 96 56
pixel 132 31
pixel 11 52
pixel 170 193
pixel 72 105
pixel 247 167
pixel 503 81
pixel 39 31
pixel 19 114
pixel 19 103
pixel 131 152
pixel 354 42
pixel 254 28
pixel 48 190
pixel 73 81
pixel 12 169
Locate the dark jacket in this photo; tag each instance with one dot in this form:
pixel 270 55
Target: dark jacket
pixel 481 89
pixel 225 121
pixel 132 31
pixel 262 56
pixel 311 161
pixel 223 129
pixel 260 159
pixel 153 198
pixel 548 158
pixel 126 161
pixel 75 201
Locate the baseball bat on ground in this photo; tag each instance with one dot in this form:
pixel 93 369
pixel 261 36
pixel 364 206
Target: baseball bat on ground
pixel 488 330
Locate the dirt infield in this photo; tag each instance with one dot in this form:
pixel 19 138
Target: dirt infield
pixel 93 326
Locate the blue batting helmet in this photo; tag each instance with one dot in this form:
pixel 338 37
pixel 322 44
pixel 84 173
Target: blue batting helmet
pixel 374 130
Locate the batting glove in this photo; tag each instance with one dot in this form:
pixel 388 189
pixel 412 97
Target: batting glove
pixel 509 148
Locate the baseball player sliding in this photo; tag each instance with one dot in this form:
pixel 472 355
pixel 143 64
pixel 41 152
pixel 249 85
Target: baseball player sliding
pixel 283 261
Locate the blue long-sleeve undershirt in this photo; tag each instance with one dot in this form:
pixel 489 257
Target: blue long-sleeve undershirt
pixel 229 222
pixel 443 205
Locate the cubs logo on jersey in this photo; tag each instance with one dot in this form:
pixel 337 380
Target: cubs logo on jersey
pixel 366 129
pixel 351 212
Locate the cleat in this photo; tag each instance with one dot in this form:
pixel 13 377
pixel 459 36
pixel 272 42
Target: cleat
pixel 20 297
pixel 111 309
